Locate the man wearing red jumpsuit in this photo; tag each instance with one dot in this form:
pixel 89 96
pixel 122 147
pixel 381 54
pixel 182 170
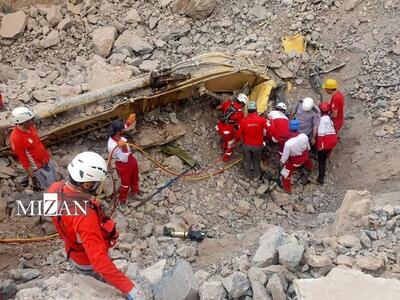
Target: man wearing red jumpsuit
pixel 278 126
pixel 231 116
pixel 88 234
pixel 125 163
pixel 295 154
pixel 337 103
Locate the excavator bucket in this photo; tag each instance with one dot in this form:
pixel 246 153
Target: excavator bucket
pixel 217 72
pixel 261 94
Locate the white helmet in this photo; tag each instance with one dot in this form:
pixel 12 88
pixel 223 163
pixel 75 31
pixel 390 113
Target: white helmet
pixel 87 167
pixel 242 98
pixel 281 105
pixel 21 115
pixel 308 104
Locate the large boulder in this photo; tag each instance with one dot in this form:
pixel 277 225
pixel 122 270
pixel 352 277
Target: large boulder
pixel 102 74
pixel 177 284
pixel 154 272
pixel 13 25
pixel 103 40
pixel 197 9
pixel 336 286
pixel 267 253
pixel 290 255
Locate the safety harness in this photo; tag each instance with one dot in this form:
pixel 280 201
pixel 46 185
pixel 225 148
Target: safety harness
pixel 226 117
pixel 108 229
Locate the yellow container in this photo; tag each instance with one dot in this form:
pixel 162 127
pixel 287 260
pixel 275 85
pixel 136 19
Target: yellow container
pixel 295 43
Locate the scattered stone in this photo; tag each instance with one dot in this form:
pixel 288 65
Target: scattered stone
pixel 54 15
pixel 51 40
pixel 360 208
pixel 103 39
pixel 24 274
pixel 212 290
pixel 262 189
pixel 266 253
pixel 275 287
pixel 13 25
pixel 365 240
pixel 146 230
pixel 201 276
pixel 318 261
pixel 197 9
pixel 259 12
pixel 243 207
pixel 154 272
pixel 281 199
pixel 177 284
pixel 132 16
pixel 260 292
pixel 236 284
pixel 350 4
pixel 149 65
pixel 257 275
pixel 7 73
pixel 370 262
pixel 132 270
pixel 336 286
pixel 186 251
pixel 290 255
pixel 131 40
pixel 349 241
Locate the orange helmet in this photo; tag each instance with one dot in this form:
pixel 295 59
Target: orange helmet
pixel 325 106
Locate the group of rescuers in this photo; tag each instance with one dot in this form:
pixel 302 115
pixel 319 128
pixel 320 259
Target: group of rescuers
pixel 88 237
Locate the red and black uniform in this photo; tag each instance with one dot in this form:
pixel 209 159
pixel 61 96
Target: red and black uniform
pixel 337 104
pixel 252 130
pixel 231 116
pixel 278 128
pixel 326 141
pixel 295 154
pixel 29 148
pixel 87 238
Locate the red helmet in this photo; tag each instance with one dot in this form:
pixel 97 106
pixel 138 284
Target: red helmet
pixel 325 106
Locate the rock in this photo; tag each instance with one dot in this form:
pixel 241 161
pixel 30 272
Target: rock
pixel 186 251
pixel 212 290
pixel 24 274
pixel 345 260
pixel 6 172
pixel 132 270
pixel 236 284
pixel 336 286
pixel 365 240
pixel 275 287
pixel 168 133
pixel 7 73
pixel 102 75
pixel 177 284
pixel 349 241
pixel 290 255
pixel 284 73
pixel 149 65
pixel 197 9
pixel 103 39
pixel 146 230
pixel 350 4
pixel 154 272
pixel 13 25
pixel 129 39
pixel 65 24
pixel 54 15
pixel 370 262
pixel 243 207
pixel 201 276
pixel 74 285
pixel 318 261
pixel 257 275
pixel 45 95
pixel 260 292
pixel 360 208
pixel 174 162
pixel 51 40
pixel 262 189
pixel 266 253
pixel 259 12
pixel 281 199
pixel 132 16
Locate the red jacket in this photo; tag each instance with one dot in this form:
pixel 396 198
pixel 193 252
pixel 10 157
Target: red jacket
pixel 278 125
pixel 84 241
pixel 28 148
pixel 236 114
pixel 326 136
pixel 337 104
pixel 253 128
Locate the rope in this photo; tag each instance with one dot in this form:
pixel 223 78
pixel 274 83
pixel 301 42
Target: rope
pixel 29 240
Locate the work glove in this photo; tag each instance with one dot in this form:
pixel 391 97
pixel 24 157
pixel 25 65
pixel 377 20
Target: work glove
pixel 131 118
pixel 136 294
pixel 122 143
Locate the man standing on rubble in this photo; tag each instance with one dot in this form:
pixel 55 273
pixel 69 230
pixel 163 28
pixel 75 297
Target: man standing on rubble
pixel 337 103
pixel 125 162
pixel 230 118
pixel 31 153
pixel 278 126
pixel 252 130
pixel 308 115
pixel 90 234
pixel 295 154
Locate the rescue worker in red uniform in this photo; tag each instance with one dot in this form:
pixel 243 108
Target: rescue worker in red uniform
pixel 326 139
pixel 252 130
pixel 125 162
pixel 90 234
pixel 31 153
pixel 278 126
pixel 295 154
pixel 230 118
pixel 337 103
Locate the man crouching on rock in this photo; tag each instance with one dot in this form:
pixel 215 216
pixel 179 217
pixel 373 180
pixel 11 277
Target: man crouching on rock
pixel 87 232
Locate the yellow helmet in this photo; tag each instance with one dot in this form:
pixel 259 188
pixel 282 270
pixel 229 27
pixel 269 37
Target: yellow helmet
pixel 330 84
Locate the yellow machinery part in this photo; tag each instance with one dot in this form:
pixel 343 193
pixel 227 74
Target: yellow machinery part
pixel 296 43
pixel 261 94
